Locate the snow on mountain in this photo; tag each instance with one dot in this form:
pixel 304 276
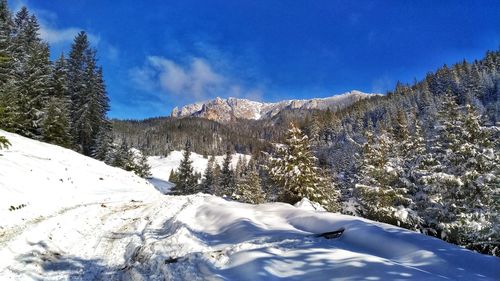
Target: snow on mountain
pixel 162 166
pixel 225 110
pixel 121 228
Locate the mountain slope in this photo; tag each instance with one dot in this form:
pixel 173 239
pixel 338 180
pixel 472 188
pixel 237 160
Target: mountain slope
pixel 225 110
pixel 121 228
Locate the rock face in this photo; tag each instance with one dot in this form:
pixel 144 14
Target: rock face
pixel 225 110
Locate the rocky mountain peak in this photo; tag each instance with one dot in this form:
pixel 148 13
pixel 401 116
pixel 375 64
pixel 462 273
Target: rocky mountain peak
pixel 225 110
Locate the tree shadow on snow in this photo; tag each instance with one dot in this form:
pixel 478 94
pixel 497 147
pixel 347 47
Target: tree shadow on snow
pixel 161 185
pixel 43 262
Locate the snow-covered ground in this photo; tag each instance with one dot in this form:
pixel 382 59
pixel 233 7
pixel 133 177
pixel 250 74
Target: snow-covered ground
pixel 121 228
pixel 162 166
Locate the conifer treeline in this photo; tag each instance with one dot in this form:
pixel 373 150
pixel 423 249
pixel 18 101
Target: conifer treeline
pixel 62 102
pixel 288 176
pixel 425 157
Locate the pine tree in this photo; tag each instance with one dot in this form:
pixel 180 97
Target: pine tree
pixel 294 170
pixel 461 180
pixel 4 142
pixel 104 144
pixel 89 102
pixel 173 176
pixel 227 181
pixel 249 188
pixel 123 157
pixel 380 193
pixel 142 168
pixel 56 125
pixel 186 180
pixel 6 60
pixel 32 75
pixel 208 182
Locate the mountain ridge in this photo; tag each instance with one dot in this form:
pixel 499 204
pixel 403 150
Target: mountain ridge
pixel 225 110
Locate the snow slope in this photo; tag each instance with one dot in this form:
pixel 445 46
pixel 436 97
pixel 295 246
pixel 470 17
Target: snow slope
pixel 48 178
pixel 121 228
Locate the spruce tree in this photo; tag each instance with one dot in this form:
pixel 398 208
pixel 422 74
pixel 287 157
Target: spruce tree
pixel 173 176
pixel 186 180
pixel 32 75
pixel 6 59
pixel 104 144
pixel 294 170
pixel 89 102
pixel 227 182
pixel 381 193
pixel 208 182
pixel 142 168
pixel 56 125
pixel 249 188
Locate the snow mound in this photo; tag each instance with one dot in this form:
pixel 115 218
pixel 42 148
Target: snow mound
pixel 212 238
pixel 305 204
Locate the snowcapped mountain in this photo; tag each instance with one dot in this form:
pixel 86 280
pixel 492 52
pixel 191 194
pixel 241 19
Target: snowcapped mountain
pixel 225 110
pixel 75 218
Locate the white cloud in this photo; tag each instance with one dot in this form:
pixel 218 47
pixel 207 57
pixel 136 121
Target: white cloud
pixel 196 80
pixel 63 35
pixel 48 29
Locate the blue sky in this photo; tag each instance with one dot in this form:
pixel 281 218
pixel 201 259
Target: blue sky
pixel 159 54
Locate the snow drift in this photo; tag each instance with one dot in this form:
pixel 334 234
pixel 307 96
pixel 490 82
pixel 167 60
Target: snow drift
pixel 121 228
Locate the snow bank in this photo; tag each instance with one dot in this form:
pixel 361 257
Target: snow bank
pixel 305 204
pixel 234 241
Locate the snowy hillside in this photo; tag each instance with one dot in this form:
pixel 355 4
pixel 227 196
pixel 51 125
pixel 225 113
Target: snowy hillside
pixel 102 223
pixel 48 178
pixel 162 166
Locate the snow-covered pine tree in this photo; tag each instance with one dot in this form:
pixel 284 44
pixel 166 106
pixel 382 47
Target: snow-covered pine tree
pixel 6 60
pixel 56 126
pixel 89 102
pixel 142 168
pixel 462 180
pixel 104 144
pixel 186 180
pixel 227 181
pixel 32 75
pixel 248 186
pixel 208 182
pixel 241 167
pixel 379 192
pixel 294 170
pixel 6 68
pixel 123 157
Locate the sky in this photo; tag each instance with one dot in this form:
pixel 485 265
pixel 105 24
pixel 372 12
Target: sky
pixel 158 54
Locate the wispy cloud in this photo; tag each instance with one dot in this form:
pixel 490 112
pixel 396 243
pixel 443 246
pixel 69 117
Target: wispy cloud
pixel 194 80
pixel 49 31
pixel 382 84
pixel 55 35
